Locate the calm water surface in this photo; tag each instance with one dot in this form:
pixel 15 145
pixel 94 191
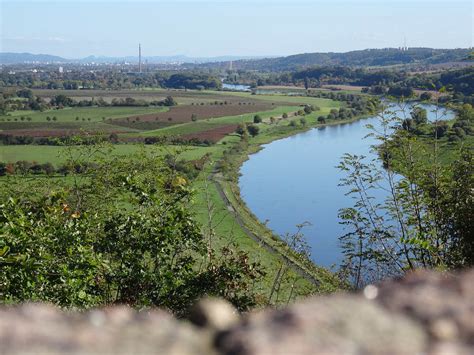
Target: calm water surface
pixel 236 87
pixel 295 180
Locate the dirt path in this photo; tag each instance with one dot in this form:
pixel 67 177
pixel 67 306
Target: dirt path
pixel 298 269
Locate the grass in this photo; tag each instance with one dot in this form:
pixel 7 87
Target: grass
pixel 447 151
pixel 69 114
pixel 55 154
pixel 301 100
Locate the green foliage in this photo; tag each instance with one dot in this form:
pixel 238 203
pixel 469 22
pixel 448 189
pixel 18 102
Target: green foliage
pixel 193 81
pixel 118 231
pixel 241 129
pixel 425 219
pixel 257 119
pixel 169 101
pixel 419 115
pixel 253 130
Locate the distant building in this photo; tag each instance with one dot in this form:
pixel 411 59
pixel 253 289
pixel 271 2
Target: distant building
pixel 61 70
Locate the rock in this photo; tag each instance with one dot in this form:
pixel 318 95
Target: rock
pixel 330 325
pixel 215 314
pixel 422 313
pixel 35 328
pixel 442 303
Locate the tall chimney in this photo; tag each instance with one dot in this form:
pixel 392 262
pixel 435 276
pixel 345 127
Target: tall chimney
pixel 139 58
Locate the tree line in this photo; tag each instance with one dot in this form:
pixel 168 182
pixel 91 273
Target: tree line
pixel 109 79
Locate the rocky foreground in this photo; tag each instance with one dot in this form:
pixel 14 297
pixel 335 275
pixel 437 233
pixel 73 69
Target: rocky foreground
pixel 425 313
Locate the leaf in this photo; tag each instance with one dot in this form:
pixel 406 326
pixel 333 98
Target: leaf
pixel 4 251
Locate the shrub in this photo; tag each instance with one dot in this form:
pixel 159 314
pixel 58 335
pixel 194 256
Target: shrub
pixel 257 119
pixel 241 129
pixel 253 130
pixel 73 254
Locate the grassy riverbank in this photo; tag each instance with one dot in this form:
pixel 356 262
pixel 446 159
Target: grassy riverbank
pixel 225 176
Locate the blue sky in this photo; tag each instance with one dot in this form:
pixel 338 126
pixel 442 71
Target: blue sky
pixel 77 28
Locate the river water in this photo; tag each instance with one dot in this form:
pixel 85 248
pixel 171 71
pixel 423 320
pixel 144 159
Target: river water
pixel 295 180
pixel 235 87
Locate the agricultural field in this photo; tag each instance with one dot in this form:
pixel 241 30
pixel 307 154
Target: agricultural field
pixel 192 107
pixel 200 115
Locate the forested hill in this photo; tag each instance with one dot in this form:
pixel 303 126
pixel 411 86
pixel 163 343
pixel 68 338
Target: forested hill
pixel 368 57
pixel 10 58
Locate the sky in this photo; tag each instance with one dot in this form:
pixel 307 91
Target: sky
pixel 79 28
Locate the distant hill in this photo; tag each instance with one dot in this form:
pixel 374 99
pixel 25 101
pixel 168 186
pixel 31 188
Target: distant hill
pixel 165 59
pixel 361 58
pixel 14 58
pixel 19 58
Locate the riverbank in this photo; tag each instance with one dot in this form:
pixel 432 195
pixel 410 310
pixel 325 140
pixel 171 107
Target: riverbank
pixel 227 181
pixel 296 179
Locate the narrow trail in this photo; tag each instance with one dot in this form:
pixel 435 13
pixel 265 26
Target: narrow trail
pixel 298 269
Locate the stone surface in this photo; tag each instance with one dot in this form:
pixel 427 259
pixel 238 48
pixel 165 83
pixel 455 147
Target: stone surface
pixel 423 313
pixel 329 325
pixel 214 314
pixel 43 329
pixel 442 304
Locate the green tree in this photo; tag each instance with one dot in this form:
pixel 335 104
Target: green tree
pixel 241 129
pixel 253 130
pixel 257 119
pixel 170 101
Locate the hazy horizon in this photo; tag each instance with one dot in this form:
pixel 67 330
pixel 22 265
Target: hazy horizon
pixel 79 28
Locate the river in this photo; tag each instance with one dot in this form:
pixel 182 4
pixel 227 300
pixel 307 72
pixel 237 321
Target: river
pixel 295 180
pixel 235 87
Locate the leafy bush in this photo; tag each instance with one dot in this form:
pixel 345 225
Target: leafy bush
pixel 121 233
pixel 253 130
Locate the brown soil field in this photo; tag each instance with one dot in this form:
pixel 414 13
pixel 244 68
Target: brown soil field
pixel 213 135
pixel 184 113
